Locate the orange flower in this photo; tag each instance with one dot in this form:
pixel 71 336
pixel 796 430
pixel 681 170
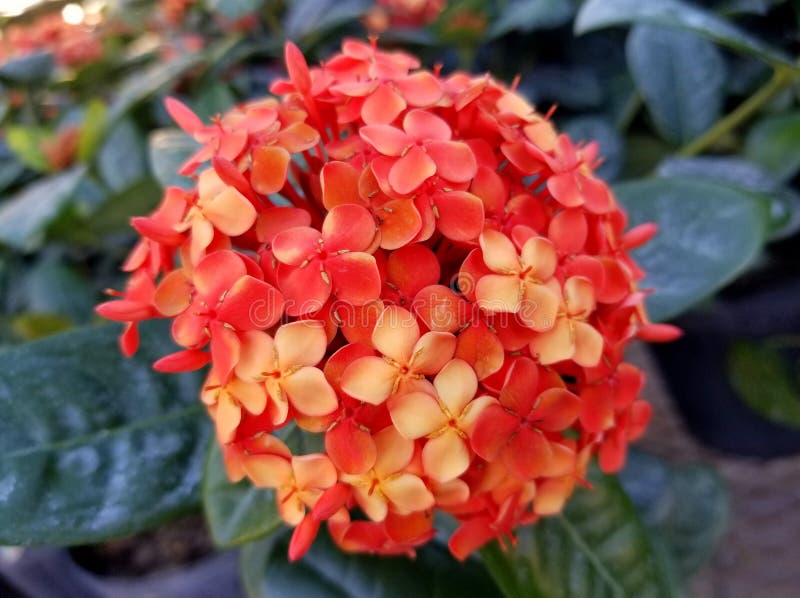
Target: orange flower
pixel 407 357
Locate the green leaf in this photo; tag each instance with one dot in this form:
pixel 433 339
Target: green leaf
pixel 148 81
pixel 26 142
pixel 122 161
pixel 115 213
pixel 765 381
pixel 168 150
pixel 11 169
pixel 32 326
pixel 708 234
pixel 53 287
pixel 685 506
pixel 597 547
pixel 234 9
pixel 93 445
pixel 785 203
pixel 32 68
pixel 212 100
pixel 681 77
pixel 93 128
pixel 599 14
pixel 236 513
pixel 25 215
pixel 774 143
pixel 530 15
pixel 327 571
pixel 307 17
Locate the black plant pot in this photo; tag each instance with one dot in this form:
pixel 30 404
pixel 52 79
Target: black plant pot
pixel 52 573
pixel 696 370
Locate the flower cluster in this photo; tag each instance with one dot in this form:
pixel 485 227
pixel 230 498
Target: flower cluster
pixel 417 269
pixel 72 45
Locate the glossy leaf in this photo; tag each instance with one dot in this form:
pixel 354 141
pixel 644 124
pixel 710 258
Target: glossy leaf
pixel 530 15
pixel 93 445
pixel 684 506
pixel 122 160
pixel 681 77
pixel 708 234
pixel 115 212
pixel 167 150
pixel 311 17
pixel 599 14
pixel 774 143
pixel 327 571
pixel 784 202
pixel 597 547
pixel 51 286
pixel 766 380
pixel 146 82
pixel 236 513
pixel 24 216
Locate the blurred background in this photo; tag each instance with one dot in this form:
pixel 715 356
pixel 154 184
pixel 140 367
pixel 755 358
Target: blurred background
pixel 694 105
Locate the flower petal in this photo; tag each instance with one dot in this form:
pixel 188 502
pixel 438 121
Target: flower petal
pixel 456 384
pixel 396 333
pixel 268 471
pixel 445 457
pixel 273 221
pixel 305 289
pixel 431 352
pixel 257 355
pixel 300 343
pixel 251 304
pixel 407 493
pixel 269 170
pixel 394 451
pixel 579 296
pixel 369 379
pixel 348 226
pixel 454 160
pixel 420 88
pixel 519 391
pixel 492 432
pixel 423 126
pixel 499 253
pixel 460 215
pixel 554 345
pixel 539 254
pixel 354 277
pixel 528 454
pixel 539 307
pixel 416 414
pixel 382 106
pixel 230 212
pixel 411 170
pixel 499 293
pixel 399 222
pixel 216 273
pixel 588 345
pixel 350 447
pixel 556 409
pixel 309 392
pixel 389 141
pixel 313 471
pixel 296 245
pixel 339 181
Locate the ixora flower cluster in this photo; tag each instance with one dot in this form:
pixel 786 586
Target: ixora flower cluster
pixel 417 268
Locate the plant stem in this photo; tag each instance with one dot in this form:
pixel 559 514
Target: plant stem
pixel 782 78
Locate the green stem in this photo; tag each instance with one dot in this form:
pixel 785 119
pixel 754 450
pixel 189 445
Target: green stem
pixel 781 79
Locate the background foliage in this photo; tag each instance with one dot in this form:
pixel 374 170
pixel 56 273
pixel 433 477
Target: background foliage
pixel 695 107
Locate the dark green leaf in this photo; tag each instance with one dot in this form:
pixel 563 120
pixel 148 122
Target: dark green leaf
pixel 236 513
pixel 306 17
pixel 530 15
pixel 327 571
pixel 708 234
pixel 686 506
pixel 115 213
pixel 148 81
pixel 168 149
pixel 785 203
pixel 122 160
pixel 598 14
pixel 681 77
pixel 212 100
pixel 774 142
pixel 93 128
pixel 597 547
pixel 26 142
pixel 766 381
pixel 11 169
pixel 24 216
pixel 592 128
pixel 93 445
pixel 32 68
pixel 54 287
